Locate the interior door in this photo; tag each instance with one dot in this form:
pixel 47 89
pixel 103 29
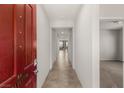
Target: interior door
pixel 18 45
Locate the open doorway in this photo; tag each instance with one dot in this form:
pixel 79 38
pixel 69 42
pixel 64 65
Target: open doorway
pixel 63 45
pixel 111 53
pixel 62 41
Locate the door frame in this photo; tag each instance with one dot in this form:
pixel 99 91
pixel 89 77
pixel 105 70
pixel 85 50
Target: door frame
pixel 119 19
pixel 73 46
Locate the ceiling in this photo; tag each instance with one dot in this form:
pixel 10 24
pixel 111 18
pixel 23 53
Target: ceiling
pixel 63 33
pixel 61 11
pixel 111 24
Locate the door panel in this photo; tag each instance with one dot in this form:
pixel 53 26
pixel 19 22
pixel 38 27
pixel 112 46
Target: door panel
pixel 30 30
pixel 28 33
pixel 25 45
pixel 6 43
pixel 20 36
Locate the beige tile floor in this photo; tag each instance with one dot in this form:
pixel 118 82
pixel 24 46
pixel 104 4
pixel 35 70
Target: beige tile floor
pixel 111 74
pixel 62 75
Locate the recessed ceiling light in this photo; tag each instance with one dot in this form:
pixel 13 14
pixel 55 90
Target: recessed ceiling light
pixel 62 32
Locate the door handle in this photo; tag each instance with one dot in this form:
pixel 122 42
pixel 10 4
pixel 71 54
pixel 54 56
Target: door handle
pixel 35 62
pixel 35 71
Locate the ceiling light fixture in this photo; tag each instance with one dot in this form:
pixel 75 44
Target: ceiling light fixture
pixel 62 32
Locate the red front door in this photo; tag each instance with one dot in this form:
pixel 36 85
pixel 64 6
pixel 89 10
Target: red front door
pixel 17 45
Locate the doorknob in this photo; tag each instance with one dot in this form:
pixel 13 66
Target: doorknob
pixel 35 71
pixel 35 62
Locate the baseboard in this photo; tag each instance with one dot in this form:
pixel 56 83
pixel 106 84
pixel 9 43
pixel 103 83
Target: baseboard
pixel 46 77
pixel 110 60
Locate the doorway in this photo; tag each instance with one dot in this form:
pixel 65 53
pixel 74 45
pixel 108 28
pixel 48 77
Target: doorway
pixel 62 40
pixel 62 74
pixel 63 44
pixel 111 53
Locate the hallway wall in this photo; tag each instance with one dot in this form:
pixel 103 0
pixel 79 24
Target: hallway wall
pixel 54 45
pixel 87 53
pixel 43 45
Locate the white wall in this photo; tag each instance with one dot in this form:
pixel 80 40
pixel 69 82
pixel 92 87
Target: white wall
pixel 111 44
pixel 43 45
pixel 87 46
pixel 120 47
pixel 71 46
pixel 111 11
pixel 54 45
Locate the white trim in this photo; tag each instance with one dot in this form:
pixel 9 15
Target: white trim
pixel 73 47
pixel 111 18
pixel 123 51
pixel 51 48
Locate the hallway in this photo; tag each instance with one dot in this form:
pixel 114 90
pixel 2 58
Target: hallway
pixel 72 23
pixel 62 74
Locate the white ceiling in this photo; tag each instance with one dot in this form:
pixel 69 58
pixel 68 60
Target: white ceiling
pixel 63 33
pixel 62 11
pixel 111 24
